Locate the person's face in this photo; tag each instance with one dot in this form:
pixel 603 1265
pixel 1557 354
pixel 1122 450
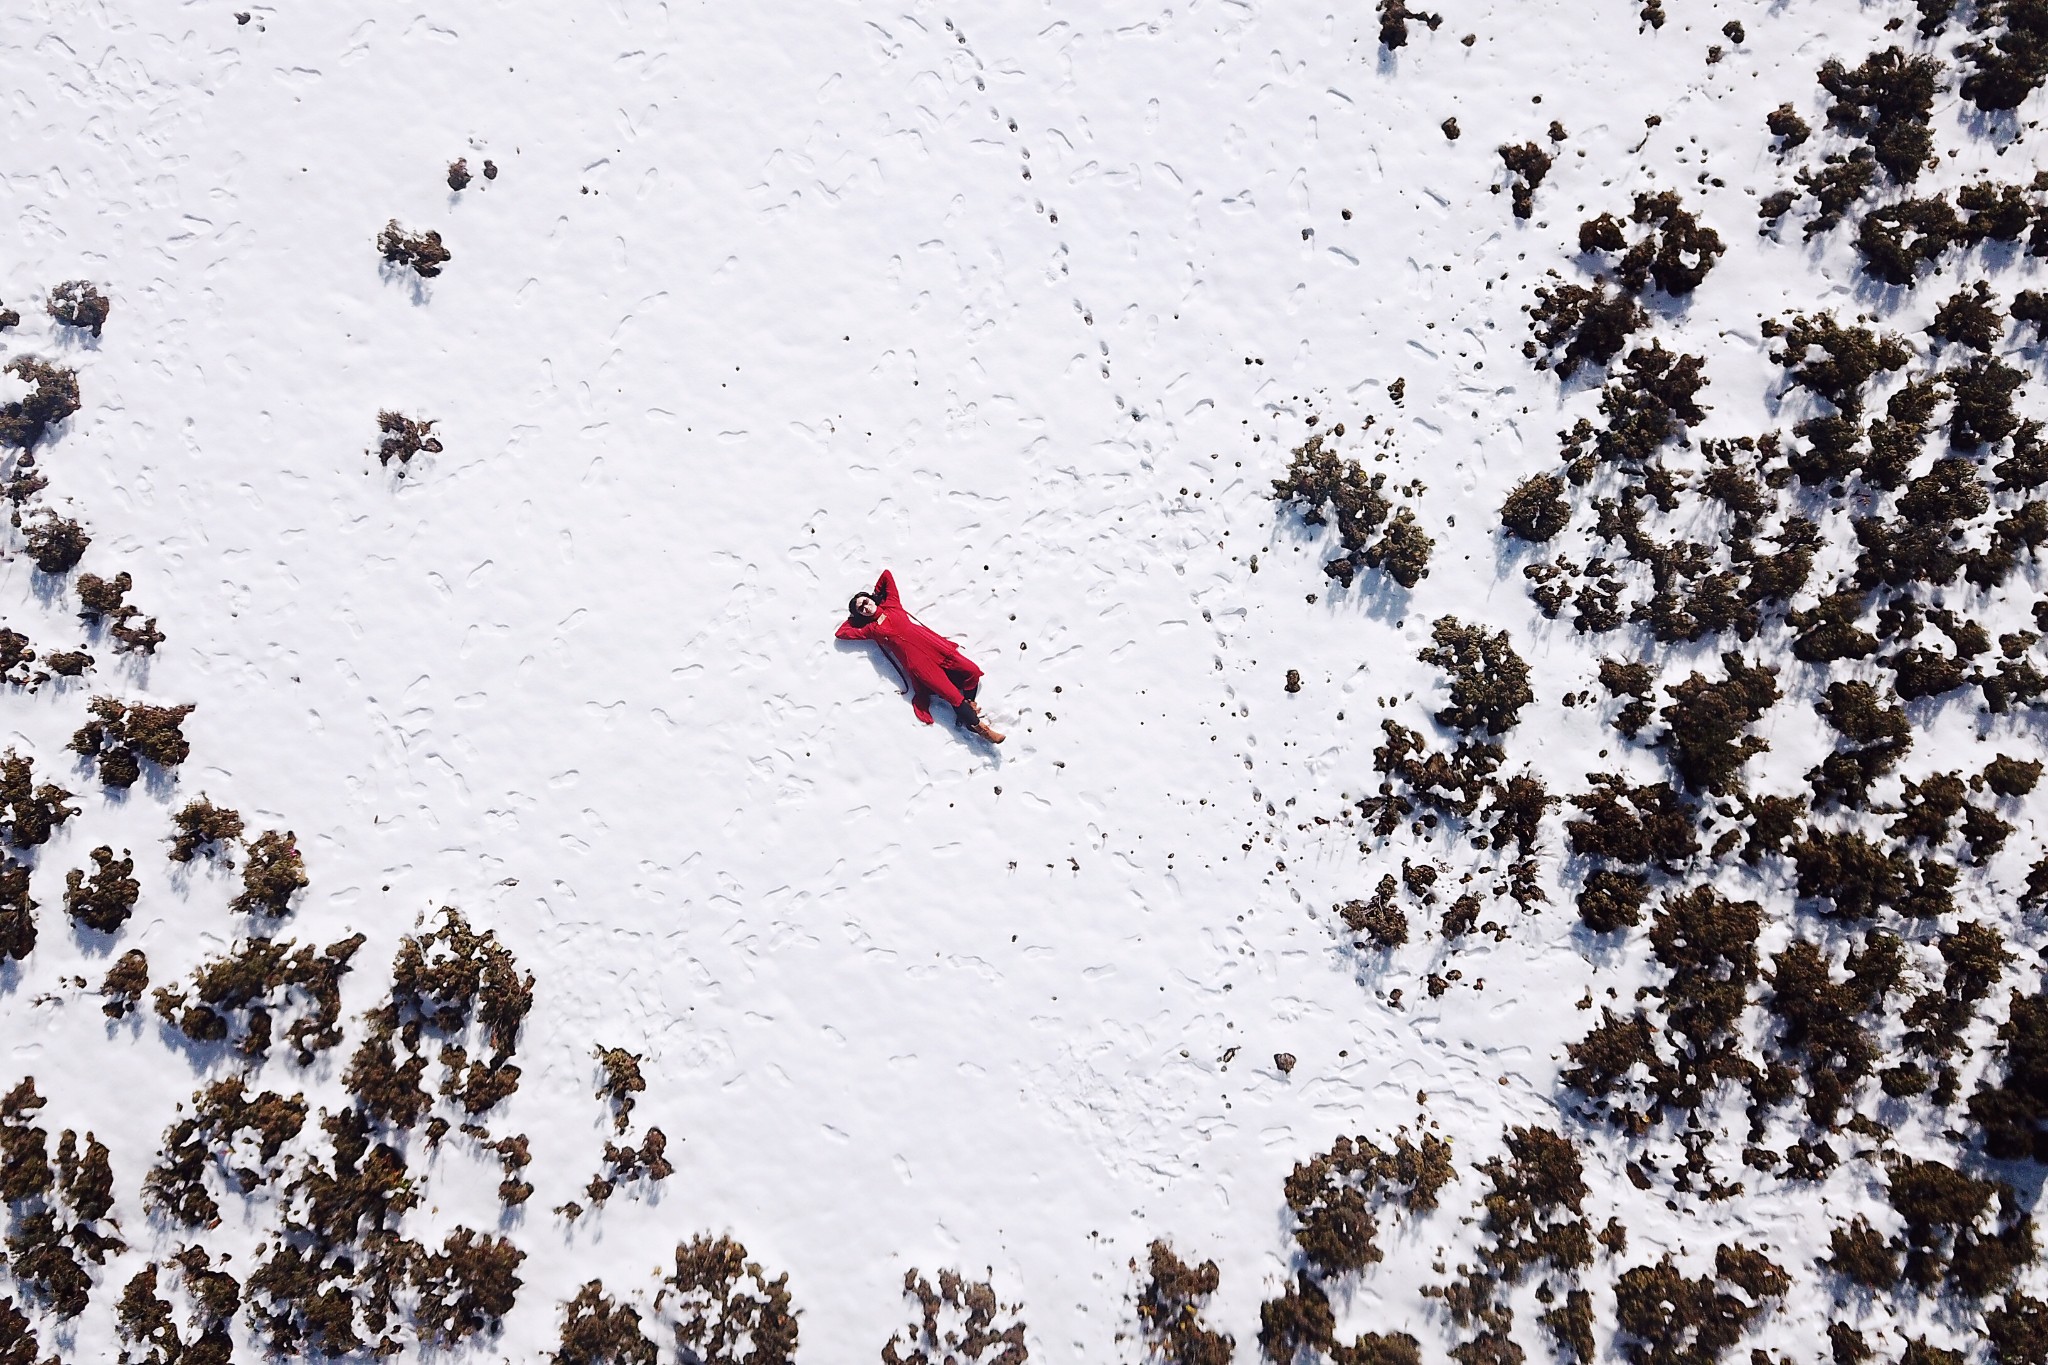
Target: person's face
pixel 865 606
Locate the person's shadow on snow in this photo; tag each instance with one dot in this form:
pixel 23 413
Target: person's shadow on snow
pixel 942 714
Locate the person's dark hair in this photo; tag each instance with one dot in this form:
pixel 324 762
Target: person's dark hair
pixel 853 605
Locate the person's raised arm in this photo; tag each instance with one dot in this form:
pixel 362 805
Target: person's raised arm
pixel 885 589
pixel 849 631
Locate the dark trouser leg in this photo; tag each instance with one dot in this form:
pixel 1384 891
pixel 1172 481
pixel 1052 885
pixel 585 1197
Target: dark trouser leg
pixel 968 684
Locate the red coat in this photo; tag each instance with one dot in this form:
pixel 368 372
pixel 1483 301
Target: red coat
pixel 931 665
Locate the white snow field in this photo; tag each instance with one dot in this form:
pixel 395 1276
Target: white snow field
pixel 1030 303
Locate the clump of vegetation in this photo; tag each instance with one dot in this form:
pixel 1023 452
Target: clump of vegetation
pixel 1859 1252
pixel 515 1154
pixel 1636 682
pixel 1380 919
pixel 1970 317
pixel 31 811
pixel 2013 62
pixel 1946 1246
pixel 419 252
pixel 727 1310
pixel 212 1136
pixel 960 1319
pixel 17 911
pixel 55 544
pixel 1821 1018
pixel 1886 101
pixel 1527 164
pixel 1576 325
pixel 2018 1330
pixel 598 1330
pixel 620 1083
pixel 1535 509
pixel 79 303
pixel 101 597
pixel 1300 1320
pixel 120 734
pixel 446 981
pixel 237 996
pixel 1677 252
pixel 2012 1112
pixel 466 1288
pixel 1333 1195
pixel 1322 485
pixel 52 397
pixel 1672 1320
pixel 458 174
pixel 1982 414
pixel 1896 239
pixel 404 438
pixel 204 828
pixel 1655 395
pixel 274 874
pixel 124 984
pixel 1612 900
pixel 1879 731
pixel 1395 16
pixel 1786 126
pixel 648 1162
pixel 1708 721
pixel 104 901
pixel 1489 683
pixel 1451 784
pixel 1534 1212
pixel 1170 1310
pixel 1633 825
pixel 46 1250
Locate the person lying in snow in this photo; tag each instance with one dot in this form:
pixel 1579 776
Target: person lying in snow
pixel 931 665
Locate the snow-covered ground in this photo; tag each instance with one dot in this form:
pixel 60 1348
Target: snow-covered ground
pixel 1028 303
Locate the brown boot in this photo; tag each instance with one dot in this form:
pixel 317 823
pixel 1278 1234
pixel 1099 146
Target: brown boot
pixel 981 726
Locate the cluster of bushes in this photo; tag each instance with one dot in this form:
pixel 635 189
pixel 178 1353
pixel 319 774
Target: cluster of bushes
pixel 57 1208
pixel 1325 487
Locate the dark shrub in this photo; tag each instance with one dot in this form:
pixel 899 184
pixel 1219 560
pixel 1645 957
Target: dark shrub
pixel 77 303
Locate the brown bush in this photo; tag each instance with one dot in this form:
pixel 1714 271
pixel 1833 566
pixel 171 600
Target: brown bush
pixel 1489 683
pixel 728 1312
pixel 1299 1320
pixel 1395 16
pixel 52 397
pixel 1170 1309
pixel 1786 125
pixel 419 252
pixel 404 438
pixel 1534 1210
pixel 620 1083
pixel 78 303
pixel 1970 317
pixel 274 874
pixel 31 812
pixel 55 544
pixel 597 1330
pixel 466 1288
pixel 1887 101
pixel 204 828
pixel 104 902
pixel 1535 509
pixel 120 733
pixel 212 1135
pixel 1861 1253
pixel 1667 1319
pixel 124 984
pixel 1527 164
pixel 1574 325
